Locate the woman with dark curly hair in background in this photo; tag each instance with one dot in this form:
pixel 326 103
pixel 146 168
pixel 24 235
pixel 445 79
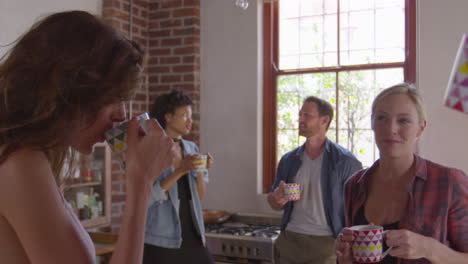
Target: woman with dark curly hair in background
pixel 174 228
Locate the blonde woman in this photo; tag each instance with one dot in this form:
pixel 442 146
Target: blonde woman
pixel 423 204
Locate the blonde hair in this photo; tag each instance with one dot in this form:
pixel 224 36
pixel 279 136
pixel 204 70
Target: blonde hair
pixel 403 88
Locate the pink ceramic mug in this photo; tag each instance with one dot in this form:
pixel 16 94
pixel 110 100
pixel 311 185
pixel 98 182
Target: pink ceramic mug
pixel 292 191
pixel 367 245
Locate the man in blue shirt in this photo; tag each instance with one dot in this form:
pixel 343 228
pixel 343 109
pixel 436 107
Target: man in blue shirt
pixel 310 225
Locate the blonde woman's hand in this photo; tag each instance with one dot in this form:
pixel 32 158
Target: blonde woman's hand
pixel 408 245
pixel 343 245
pixel 149 155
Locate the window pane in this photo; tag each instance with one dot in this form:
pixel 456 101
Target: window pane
pixel 289 44
pixel 390 37
pixel 289 9
pixel 371 34
pixel 310 7
pixel 309 40
pixel 357 90
pixel 353 5
pixel 292 90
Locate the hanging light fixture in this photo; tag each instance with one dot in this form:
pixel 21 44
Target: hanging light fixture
pixel 242 4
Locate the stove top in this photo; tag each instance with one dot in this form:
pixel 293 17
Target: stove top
pixel 246 238
pixel 242 229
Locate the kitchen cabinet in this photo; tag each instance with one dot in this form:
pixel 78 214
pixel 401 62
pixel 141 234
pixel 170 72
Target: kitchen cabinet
pixel 88 190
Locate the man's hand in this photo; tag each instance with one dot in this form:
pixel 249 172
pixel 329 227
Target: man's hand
pixel 277 199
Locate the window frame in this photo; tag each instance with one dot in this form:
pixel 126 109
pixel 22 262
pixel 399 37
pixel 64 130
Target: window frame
pixel 271 72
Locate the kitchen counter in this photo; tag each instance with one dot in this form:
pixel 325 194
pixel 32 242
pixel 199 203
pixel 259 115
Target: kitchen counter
pixel 104 243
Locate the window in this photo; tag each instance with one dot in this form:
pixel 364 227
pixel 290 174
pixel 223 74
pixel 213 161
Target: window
pixel 343 51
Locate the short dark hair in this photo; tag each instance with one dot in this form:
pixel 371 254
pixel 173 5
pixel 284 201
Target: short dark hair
pixel 167 103
pixel 324 107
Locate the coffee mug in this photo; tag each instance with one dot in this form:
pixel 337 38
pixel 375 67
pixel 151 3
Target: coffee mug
pixel 200 162
pixel 292 191
pixel 117 138
pixel 367 244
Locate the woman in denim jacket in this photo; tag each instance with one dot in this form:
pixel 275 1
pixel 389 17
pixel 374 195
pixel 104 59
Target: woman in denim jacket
pixel 174 227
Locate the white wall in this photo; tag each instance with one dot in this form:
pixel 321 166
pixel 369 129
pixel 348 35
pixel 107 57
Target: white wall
pixel 440 27
pixel 231 104
pixel 231 101
pixel 17 16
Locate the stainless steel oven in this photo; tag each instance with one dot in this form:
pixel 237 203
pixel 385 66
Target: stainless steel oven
pixel 246 238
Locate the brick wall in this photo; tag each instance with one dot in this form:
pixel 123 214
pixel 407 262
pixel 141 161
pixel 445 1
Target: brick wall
pixel 169 30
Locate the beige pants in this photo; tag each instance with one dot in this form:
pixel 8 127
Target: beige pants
pixel 295 248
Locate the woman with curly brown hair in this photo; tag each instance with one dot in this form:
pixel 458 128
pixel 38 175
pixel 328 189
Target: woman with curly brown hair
pixel 62 85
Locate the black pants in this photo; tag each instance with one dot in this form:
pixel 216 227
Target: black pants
pixel 191 255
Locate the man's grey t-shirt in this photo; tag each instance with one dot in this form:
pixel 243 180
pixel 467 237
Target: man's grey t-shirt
pixel 308 214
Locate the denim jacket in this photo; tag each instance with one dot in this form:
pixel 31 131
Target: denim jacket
pixel 162 223
pixel 338 165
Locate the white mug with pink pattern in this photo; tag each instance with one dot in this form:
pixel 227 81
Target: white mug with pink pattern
pixel 367 244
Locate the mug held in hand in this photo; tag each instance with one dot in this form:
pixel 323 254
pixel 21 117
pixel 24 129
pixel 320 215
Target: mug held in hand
pixel 368 243
pixel 292 191
pixel 200 162
pixel 117 137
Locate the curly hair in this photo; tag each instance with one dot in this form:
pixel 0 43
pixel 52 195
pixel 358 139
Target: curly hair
pixel 167 104
pixel 61 72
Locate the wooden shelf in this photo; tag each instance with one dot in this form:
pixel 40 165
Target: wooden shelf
pixel 82 184
pixel 97 222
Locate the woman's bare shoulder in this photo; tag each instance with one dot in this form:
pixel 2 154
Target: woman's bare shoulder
pixel 23 160
pixel 24 170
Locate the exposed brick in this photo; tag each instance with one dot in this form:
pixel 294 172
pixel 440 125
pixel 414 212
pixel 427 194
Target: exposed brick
pixel 161 69
pixel 126 7
pixel 116 187
pixel 185 50
pixel 116 210
pixel 156 23
pixel 189 78
pixel 160 14
pixel 171 42
pixel 160 33
pixel 154 5
pixel 136 11
pixel 161 87
pixel 188 87
pixel 186 12
pixel 153 60
pixel 192 40
pixel 170 78
pixel 153 25
pixel 111 3
pixel 190 31
pixel 170 3
pixel 184 68
pixel 140 40
pixel 192 21
pixel 154 43
pixel 156 52
pixel 191 3
pixel 189 59
pixel 140 97
pixel 118 198
pixel 169 60
pixel 153 78
pixel 170 23
pixel 144 4
pixel 115 13
pixel 140 22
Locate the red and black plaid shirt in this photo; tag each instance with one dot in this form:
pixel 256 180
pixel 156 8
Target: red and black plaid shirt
pixel 437 205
